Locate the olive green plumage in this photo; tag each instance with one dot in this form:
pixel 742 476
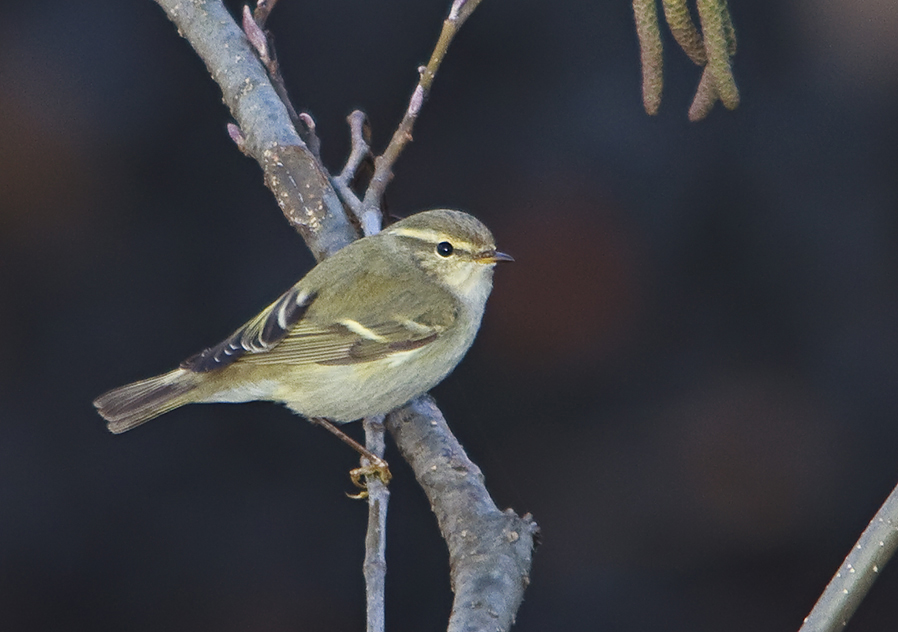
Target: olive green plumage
pixel 375 325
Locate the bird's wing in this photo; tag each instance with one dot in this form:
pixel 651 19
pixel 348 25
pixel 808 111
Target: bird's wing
pixel 259 335
pixel 289 331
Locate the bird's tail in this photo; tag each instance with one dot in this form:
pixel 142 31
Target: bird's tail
pixel 129 406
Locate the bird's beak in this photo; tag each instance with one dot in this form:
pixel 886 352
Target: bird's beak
pixel 493 257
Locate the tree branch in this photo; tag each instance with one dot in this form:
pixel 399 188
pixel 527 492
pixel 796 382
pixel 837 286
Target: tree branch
pixel 490 551
pixel 360 150
pixel 263 43
pixel 297 179
pixel 860 569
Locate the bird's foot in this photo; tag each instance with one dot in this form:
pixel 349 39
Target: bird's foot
pixel 377 468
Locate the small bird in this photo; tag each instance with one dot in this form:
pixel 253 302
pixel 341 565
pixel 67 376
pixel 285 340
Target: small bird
pixel 380 322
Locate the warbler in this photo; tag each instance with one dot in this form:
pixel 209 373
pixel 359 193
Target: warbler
pixel 375 325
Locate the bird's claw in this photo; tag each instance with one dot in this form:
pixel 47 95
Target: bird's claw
pixel 379 469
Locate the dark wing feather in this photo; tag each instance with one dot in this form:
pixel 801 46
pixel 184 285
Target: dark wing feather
pixel 259 335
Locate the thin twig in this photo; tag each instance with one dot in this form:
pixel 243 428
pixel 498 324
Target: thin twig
pixel 857 573
pixel 263 42
pixel 359 152
pixel 383 165
pixel 375 566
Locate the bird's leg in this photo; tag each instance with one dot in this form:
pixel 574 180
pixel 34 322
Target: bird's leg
pixel 375 466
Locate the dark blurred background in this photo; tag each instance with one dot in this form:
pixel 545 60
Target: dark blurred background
pixel 688 377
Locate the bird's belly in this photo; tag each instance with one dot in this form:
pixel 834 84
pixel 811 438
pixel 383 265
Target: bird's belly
pixel 348 392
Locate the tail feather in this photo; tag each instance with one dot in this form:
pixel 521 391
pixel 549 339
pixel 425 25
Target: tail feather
pixel 129 406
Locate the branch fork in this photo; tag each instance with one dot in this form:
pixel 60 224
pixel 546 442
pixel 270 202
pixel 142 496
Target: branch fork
pixel 490 550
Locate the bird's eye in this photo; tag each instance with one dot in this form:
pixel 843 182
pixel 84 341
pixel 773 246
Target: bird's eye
pixel 444 249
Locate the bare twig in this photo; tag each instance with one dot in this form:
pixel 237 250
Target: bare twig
pixel 375 566
pixel 360 151
pixel 860 569
pixel 489 550
pixel 383 165
pixel 263 42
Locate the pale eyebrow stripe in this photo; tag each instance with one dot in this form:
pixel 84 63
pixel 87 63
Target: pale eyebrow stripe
pixel 430 236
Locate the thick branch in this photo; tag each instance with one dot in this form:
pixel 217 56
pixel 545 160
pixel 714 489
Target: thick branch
pixel 300 184
pixel 489 550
